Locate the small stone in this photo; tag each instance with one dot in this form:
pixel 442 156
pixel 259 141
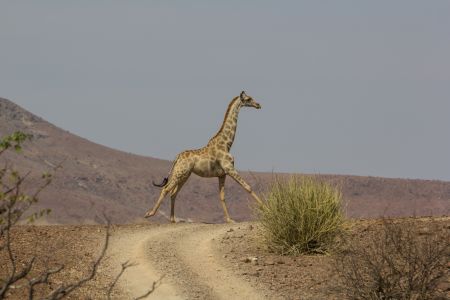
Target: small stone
pixel 424 231
pixel 246 260
pixel 444 286
pixel 269 263
pixel 225 256
pixel 230 230
pixel 250 227
pixel 254 261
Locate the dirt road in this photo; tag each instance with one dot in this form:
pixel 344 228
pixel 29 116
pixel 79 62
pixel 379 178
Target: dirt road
pixel 184 255
pixel 200 261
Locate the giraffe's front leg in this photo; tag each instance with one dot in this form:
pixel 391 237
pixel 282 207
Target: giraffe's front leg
pixel 228 167
pixel 172 209
pixel 235 175
pixel 222 198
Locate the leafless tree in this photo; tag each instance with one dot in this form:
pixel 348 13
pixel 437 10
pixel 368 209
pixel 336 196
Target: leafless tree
pixel 14 203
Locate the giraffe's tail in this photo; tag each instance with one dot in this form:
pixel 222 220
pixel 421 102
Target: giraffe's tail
pixel 162 184
pixel 166 179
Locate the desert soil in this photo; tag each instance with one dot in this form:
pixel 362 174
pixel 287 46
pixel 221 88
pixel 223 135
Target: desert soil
pixel 196 261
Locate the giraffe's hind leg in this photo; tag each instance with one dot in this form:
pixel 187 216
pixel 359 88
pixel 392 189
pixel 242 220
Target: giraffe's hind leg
pixel 180 173
pixel 170 186
pixel 173 196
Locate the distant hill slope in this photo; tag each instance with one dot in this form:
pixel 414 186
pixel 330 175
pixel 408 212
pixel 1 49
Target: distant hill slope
pixel 96 180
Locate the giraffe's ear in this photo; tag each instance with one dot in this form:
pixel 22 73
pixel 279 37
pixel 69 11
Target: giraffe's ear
pixel 242 96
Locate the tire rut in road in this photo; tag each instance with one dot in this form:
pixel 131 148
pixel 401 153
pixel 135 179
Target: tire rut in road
pixel 184 252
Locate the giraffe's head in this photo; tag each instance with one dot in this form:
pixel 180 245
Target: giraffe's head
pixel 248 101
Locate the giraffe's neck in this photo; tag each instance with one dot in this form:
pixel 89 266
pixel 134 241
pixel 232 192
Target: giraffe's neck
pixel 225 135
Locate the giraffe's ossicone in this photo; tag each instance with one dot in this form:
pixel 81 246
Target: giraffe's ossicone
pixel 213 160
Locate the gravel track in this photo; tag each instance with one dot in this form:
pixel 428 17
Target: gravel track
pixel 184 255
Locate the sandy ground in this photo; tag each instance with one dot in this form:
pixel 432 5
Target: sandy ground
pixel 214 261
pixel 196 261
pixel 185 256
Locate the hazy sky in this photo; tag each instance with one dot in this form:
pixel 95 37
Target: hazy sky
pixel 347 87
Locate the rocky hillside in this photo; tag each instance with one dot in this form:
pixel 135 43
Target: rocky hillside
pixel 96 180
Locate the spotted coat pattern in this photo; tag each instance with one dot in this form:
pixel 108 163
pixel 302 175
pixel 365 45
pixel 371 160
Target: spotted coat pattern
pixel 213 160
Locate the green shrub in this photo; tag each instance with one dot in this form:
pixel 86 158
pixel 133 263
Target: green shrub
pixel 301 215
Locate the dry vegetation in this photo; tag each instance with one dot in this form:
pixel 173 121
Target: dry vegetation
pixel 301 215
pixel 377 259
pixel 402 260
pixel 317 276
pixel 19 276
pixel 25 272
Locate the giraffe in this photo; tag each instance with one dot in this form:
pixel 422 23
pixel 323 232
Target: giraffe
pixel 213 160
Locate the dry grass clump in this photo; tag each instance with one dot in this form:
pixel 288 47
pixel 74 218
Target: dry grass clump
pixel 402 260
pixel 301 215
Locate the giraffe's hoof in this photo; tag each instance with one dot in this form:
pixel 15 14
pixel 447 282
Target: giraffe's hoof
pixel 230 220
pixel 149 214
pixel 173 221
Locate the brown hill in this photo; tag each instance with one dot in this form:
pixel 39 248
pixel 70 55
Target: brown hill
pixel 95 179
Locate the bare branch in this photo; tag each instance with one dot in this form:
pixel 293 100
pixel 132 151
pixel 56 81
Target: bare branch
pixel 125 266
pixel 17 184
pixel 3 150
pixel 398 261
pixel 11 258
pixel 43 279
pixel 13 204
pixel 13 277
pixel 155 284
pixel 65 290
